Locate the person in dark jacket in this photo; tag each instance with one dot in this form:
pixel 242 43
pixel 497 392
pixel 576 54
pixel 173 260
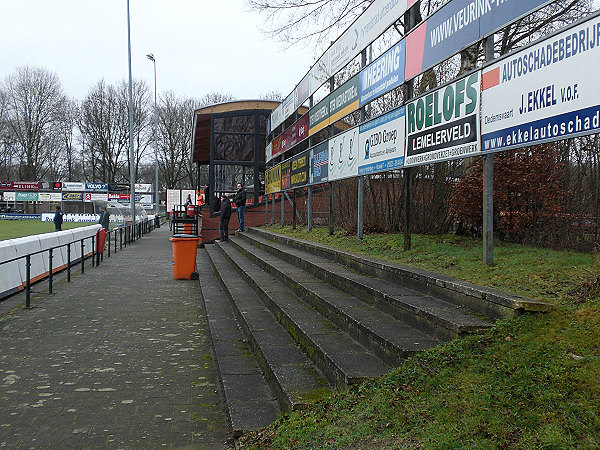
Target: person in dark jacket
pixel 58 219
pixel 240 203
pixel 224 216
pixel 104 218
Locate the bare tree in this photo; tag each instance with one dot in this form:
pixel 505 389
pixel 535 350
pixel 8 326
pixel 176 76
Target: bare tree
pixel 104 129
pixel 174 138
pixel 34 100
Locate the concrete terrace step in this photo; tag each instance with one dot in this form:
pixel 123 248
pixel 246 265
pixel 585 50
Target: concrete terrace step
pixel 384 335
pixel 336 354
pixel 434 316
pixel 490 302
pixel 250 403
pixel 289 372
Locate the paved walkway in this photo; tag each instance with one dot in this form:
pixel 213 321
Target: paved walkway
pixel 118 358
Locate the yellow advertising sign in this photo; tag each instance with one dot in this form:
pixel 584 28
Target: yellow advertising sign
pixel 273 180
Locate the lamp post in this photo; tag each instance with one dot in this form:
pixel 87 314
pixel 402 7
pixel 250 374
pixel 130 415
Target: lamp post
pixel 131 151
pixel 151 57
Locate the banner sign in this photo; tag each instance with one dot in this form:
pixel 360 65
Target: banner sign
pixel 377 18
pixel 319 162
pixel 273 180
pixel 456 25
pixel 73 186
pixel 96 187
pixel 27 196
pixel 14 216
pixel 6 185
pixel 9 196
pixel 144 188
pixel 276 117
pixel 343 155
pixel 72 196
pixel 344 100
pixel 269 152
pixel 92 197
pixel 546 92
pixel 444 124
pixel 303 90
pixel 295 134
pixel 382 75
pixel 289 105
pixel 49 197
pixel 318 116
pixel 299 169
pixel 276 147
pixel 286 169
pixel 25 186
pixel 381 143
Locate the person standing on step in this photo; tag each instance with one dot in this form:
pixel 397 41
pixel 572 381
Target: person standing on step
pixel 58 219
pixel 240 203
pixel 224 216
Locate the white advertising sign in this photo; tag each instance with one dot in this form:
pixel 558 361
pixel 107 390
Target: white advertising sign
pixel 9 197
pixel 343 155
pixel 276 117
pixel 73 186
pixel 546 92
pixel 49 196
pixel 143 188
pixel 92 197
pixel 269 152
pixel 381 143
pixel 444 124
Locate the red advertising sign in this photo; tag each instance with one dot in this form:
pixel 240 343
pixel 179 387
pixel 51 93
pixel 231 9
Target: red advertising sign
pixel 118 196
pixel 295 134
pixel 276 146
pixel 20 185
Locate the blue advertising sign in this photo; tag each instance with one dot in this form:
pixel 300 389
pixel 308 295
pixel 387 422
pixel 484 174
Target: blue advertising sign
pixel 72 196
pixel 382 75
pixel 96 187
pixel 457 25
pixel 319 160
pixel 381 143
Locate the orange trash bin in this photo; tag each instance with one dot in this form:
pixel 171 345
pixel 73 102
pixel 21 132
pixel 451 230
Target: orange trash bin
pixel 185 247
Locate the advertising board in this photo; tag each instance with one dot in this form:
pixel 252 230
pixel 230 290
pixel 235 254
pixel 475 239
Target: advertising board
pixel 273 180
pixel 27 196
pixel 343 100
pixel 96 187
pixel 72 196
pixel 319 163
pixel 444 124
pixel 382 75
pixel 458 24
pixel 286 169
pixel 299 169
pixel 49 197
pixel 143 188
pixel 92 197
pixel 73 186
pixel 546 92
pixel 318 116
pixel 381 143
pixel 343 155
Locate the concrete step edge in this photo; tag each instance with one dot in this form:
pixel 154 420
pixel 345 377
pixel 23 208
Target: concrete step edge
pixel 264 411
pixel 502 303
pixel 311 342
pixel 389 351
pixel 289 399
pixel 430 320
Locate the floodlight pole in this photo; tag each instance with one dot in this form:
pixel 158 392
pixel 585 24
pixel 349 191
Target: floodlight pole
pixel 131 150
pixel 151 57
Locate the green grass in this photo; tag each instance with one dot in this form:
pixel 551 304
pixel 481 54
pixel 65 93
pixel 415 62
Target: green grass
pixel 10 229
pixel 529 382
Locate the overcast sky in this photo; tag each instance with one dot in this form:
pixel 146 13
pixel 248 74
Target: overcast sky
pixel 201 46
